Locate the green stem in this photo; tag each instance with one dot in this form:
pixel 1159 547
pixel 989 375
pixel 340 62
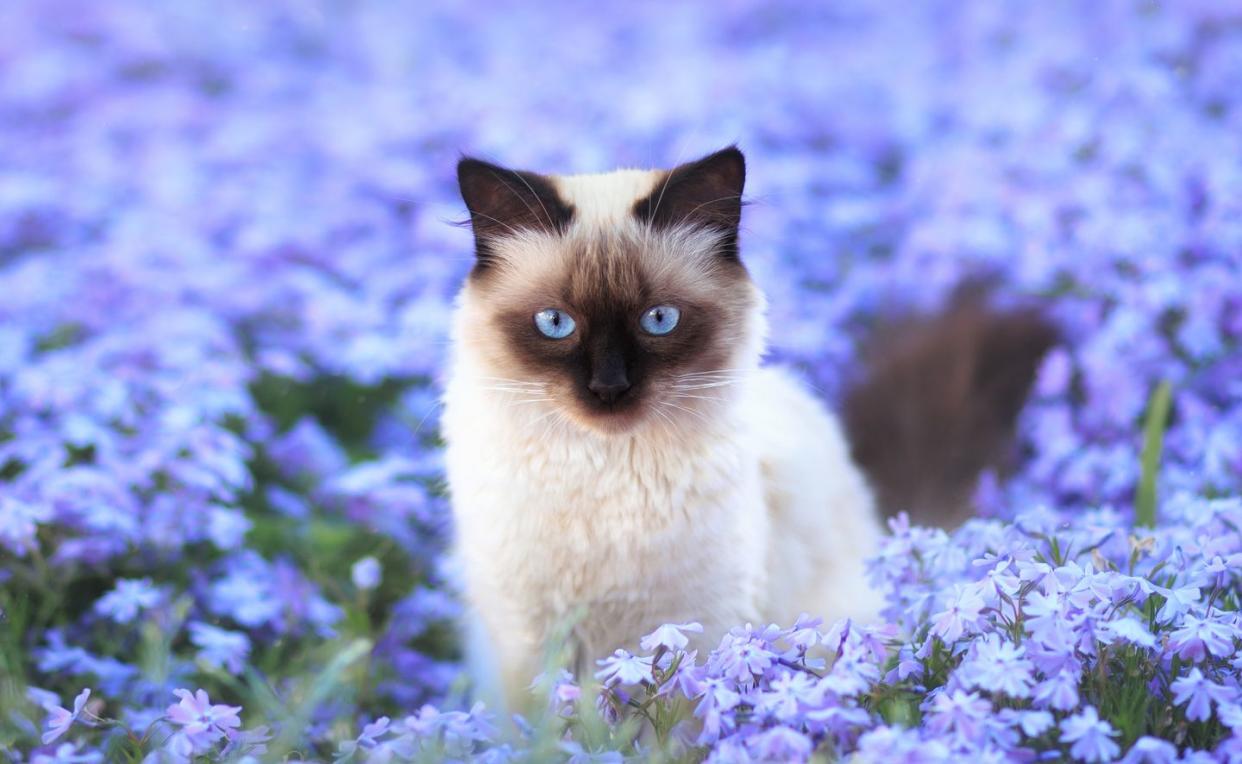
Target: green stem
pixel 1153 444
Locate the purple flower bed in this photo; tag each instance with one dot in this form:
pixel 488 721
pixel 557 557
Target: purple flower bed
pixel 226 267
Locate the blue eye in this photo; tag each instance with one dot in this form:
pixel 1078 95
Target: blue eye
pixel 555 324
pixel 661 319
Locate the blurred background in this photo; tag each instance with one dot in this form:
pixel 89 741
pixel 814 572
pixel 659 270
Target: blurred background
pixel 227 265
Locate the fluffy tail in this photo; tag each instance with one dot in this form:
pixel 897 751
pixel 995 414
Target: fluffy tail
pixel 938 403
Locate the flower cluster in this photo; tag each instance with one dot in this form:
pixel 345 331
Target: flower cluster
pixel 1075 638
pixel 226 270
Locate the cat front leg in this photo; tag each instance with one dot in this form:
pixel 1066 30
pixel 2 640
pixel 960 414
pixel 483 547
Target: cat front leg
pixel 505 652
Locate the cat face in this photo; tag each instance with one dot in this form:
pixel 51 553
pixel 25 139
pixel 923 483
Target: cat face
pixel 611 300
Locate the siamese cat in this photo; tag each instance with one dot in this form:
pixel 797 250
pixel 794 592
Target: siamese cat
pixel 619 458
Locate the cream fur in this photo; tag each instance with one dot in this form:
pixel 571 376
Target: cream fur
pixel 746 510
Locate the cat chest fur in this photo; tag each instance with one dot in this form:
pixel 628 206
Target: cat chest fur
pixel 622 533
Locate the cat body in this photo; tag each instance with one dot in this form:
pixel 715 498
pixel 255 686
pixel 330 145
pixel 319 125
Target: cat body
pixel 757 517
pixel 617 456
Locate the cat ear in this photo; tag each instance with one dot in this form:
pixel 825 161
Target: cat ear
pixel 706 192
pixel 504 202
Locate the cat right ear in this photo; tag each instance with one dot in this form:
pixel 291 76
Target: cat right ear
pixel 503 202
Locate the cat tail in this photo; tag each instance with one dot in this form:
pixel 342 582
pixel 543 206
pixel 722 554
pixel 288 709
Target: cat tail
pixel 938 401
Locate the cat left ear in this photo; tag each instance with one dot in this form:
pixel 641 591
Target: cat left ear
pixel 503 202
pixel 706 192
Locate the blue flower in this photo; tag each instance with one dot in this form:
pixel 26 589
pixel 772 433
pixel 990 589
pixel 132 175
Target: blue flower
pixel 779 744
pixel 365 573
pixel 670 636
pixel 59 719
pixel 202 723
pixel 1198 693
pixel 960 716
pixel 623 668
pixel 68 753
pixel 1199 637
pixel 997 665
pixel 1090 737
pixel 19 520
pixel 742 655
pixel 1059 691
pixel 960 616
pixel 220 648
pixel 1150 750
pixel 128 598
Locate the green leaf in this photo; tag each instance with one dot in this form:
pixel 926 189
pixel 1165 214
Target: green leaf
pixel 1153 444
pixel 325 685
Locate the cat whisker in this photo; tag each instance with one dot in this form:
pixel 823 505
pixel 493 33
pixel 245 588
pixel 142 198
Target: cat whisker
pixel 692 378
pixel 507 389
pixel 665 417
pixel 511 381
pixel 696 384
pixel 698 414
pixel 704 385
pixel 438 405
pixel 708 381
pixel 501 385
pixel 735 373
pixel 697 397
pixel 554 414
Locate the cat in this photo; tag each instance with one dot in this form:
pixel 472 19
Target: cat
pixel 618 457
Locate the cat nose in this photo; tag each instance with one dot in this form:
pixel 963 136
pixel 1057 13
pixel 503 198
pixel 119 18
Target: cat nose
pixel 609 390
pixel 609 380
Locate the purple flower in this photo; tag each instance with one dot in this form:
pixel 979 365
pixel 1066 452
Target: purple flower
pixel 717 697
pixel 59 719
pixel 960 716
pixel 202 723
pixel 307 450
pixel 578 754
pixel 997 665
pixel 68 753
pixel 1129 629
pixel 219 285
pixel 1059 691
pixel 786 696
pixel 128 598
pixel 624 668
pixel 1090 736
pixel 1197 693
pixel 1230 715
pixel 1177 602
pixel 900 746
pixel 960 616
pixel 19 521
pixel 563 692
pixel 670 636
pixel 1150 750
pixel 1034 723
pixel 1199 637
pixel 742 656
pixel 221 648
pixel 366 740
pixel 780 744
pixel 805 634
pixel 365 573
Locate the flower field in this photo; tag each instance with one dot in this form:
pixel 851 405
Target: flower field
pixel 227 262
